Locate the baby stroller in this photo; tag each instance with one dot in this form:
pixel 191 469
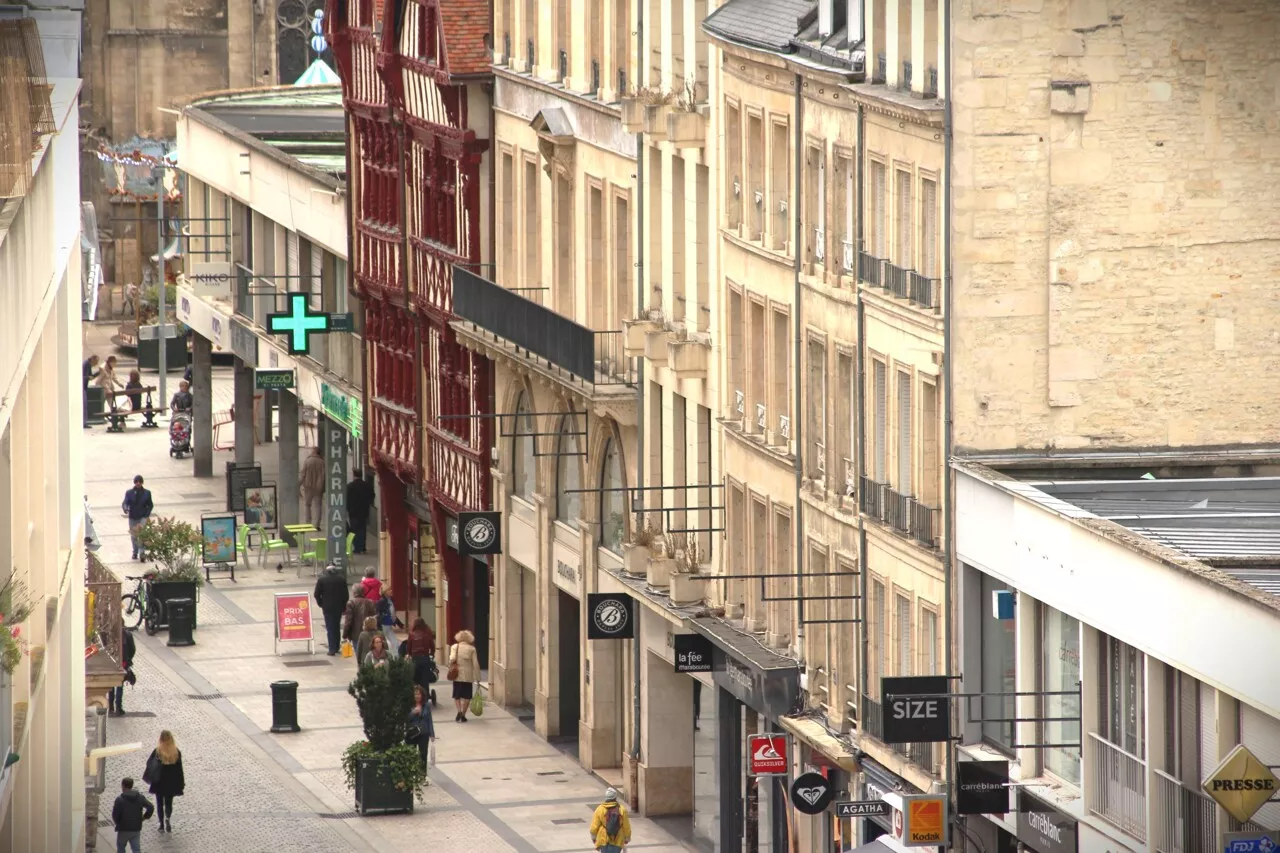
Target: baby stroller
pixel 180 434
pixel 425 672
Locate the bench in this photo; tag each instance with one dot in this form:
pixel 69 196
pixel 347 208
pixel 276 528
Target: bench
pixel 117 417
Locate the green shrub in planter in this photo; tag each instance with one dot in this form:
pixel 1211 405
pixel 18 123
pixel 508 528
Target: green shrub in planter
pixel 174 545
pixel 385 772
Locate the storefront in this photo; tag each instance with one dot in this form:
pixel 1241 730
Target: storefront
pixel 755 687
pixel 465 587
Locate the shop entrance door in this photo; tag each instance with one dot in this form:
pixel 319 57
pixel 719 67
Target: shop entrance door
pixel 480 610
pixel 570 672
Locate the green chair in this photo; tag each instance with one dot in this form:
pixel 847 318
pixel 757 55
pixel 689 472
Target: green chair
pixel 268 543
pixel 318 553
pixel 242 544
pixel 351 538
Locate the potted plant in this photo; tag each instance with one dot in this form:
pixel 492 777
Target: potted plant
pixel 661 563
pixel 15 607
pixel 174 545
pixel 687 585
pixel 386 773
pixel 637 553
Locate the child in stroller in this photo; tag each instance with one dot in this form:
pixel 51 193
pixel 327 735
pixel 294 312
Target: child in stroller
pixel 180 420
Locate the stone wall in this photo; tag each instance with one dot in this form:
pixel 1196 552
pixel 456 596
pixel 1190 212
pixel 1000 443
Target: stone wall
pixel 1116 223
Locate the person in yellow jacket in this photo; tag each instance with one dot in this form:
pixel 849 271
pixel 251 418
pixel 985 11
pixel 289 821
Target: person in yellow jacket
pixel 610 826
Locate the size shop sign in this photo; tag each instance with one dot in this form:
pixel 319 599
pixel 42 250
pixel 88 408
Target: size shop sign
pixel 916 709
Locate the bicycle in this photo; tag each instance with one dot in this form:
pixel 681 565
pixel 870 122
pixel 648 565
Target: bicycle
pixel 139 608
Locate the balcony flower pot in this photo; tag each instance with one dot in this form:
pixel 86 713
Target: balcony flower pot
pixel 688 359
pixel 659 570
pixel 655 120
pixel 633 115
pixel 687 588
pixel 655 346
pixel 635 559
pixel 687 128
pixel 635 332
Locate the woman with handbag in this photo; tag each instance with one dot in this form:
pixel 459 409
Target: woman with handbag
pixel 164 774
pixel 422 729
pixel 464 671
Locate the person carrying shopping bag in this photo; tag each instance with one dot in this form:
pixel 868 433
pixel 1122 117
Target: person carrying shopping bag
pixel 610 826
pixel 164 774
pixel 464 672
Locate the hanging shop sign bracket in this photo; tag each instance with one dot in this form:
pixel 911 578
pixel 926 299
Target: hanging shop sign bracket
pixel 584 434
pixel 913 694
pixel 764 596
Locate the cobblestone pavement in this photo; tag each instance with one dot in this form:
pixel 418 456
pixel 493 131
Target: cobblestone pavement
pixel 498 787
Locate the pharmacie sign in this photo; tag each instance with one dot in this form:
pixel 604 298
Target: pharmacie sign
pixel 344 410
pixel 1241 784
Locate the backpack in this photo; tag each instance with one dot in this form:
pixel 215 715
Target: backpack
pixel 613 822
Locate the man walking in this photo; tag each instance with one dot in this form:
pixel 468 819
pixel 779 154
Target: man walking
pixel 115 696
pixel 128 814
pixel 311 487
pixel 359 502
pixel 137 507
pixel 610 826
pixel 331 596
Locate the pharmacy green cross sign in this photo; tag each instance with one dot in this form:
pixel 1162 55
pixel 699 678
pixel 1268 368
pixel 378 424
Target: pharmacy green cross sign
pixel 299 323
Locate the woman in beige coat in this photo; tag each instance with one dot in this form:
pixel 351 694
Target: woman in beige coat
pixel 462 654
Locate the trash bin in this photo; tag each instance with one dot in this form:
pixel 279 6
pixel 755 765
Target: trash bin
pixel 95 402
pixel 182 621
pixel 284 706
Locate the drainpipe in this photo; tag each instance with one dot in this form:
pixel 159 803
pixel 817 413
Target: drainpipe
pixel 859 462
pixel 633 782
pixel 948 493
pixel 797 321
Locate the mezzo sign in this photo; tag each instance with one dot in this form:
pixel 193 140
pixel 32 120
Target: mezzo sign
pixel 916 709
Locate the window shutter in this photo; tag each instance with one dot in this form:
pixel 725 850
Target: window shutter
pixel 904 635
pixel 882 429
pixel 878 223
pixel 292 266
pixel 1208 731
pixel 317 274
pixel 1261 735
pixel 904 433
pixel 905 235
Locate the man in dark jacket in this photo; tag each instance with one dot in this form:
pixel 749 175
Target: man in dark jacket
pixel 137 506
pixel 128 814
pixel 331 596
pixel 359 502
pixel 115 697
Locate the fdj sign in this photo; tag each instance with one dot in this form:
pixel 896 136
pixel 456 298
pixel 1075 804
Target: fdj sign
pixel 916 709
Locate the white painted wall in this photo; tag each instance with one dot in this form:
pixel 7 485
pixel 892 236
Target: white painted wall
pixel 1191 623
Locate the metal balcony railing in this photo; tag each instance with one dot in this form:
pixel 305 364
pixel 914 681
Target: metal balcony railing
pixel 931 83
pixel 595 76
pixel 870 269
pixel 1186 820
pixel 902 512
pixel 924 523
pixel 906 74
pixel 897 510
pixel 895 280
pixel 871 722
pixel 882 69
pixel 921 290
pixel 1118 794
pixel 871 497
pixel 595 357
pixel 872 719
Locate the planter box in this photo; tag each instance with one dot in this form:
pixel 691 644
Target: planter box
pixel 635 560
pixel 175 354
pixel 689 359
pixel 655 346
pixel 375 793
pixel 688 588
pixel 687 129
pixel 655 120
pixel 659 570
pixel 634 334
pixel 162 591
pixel 633 115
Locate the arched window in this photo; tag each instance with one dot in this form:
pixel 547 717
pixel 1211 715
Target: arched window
pixel 613 513
pixel 568 471
pixel 524 477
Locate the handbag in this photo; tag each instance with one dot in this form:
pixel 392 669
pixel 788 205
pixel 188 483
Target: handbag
pixel 413 733
pixel 151 774
pixel 347 650
pixel 477 704
pixel 452 673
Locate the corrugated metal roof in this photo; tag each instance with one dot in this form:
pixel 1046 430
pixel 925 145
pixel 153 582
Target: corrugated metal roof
pixel 1267 580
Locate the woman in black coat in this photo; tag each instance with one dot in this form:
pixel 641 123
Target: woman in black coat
pixel 164 773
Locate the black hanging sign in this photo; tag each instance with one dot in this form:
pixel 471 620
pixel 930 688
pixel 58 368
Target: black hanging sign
pixel 610 616
pixel 916 709
pixel 1042 827
pixel 982 787
pixel 479 533
pixel 863 808
pixel 811 793
pixel 693 653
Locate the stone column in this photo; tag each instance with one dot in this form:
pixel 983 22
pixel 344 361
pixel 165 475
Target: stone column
pixel 264 423
pixel 202 405
pixel 287 490
pixel 666 708
pixel 244 413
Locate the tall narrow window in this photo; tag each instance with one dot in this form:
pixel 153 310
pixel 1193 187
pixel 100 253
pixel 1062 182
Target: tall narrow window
pixel 569 469
pixel 780 371
pixel 702 270
pixel 782 542
pixel 877 217
pixel 676 9
pixel 702 476
pixel 904 433
pixel 930 455
pixel 530 36
pixel 734 186
pixel 561 37
pixel 532 232
pixel 656 260
pixel 999 670
pixel 814 234
pixel 679 477
pixel 613 518
pixel 842 451
pixel 622 42
pixel 523 463
pixel 928 641
pixel 595 48
pixel 780 186
pixel 757 374
pixel 757 608
pixel 929 229
pixel 905 236
pixel 880 400
pixel 902 633
pixel 737 541
pixel 507 225
pixel 844 186
pixel 1060 673
pixel 681 308
pixel 877 658
pixel 737 364
pixel 623 281
pixel 597 293
pixel 820 232
pixel 1123 697
pixel 816 407
pixel 564 257
pixel 754 190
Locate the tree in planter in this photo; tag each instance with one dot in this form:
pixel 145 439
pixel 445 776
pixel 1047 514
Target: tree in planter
pixel 174 544
pixel 384 695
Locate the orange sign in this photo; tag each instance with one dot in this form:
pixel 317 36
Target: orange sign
pixel 925 821
pixel 293 616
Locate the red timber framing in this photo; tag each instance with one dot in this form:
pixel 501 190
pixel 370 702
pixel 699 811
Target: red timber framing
pixel 410 75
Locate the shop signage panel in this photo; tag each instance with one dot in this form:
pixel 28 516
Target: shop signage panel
pixel 924 821
pixel 863 808
pixel 1042 827
pixel 451 532
pixel 265 380
pixel 348 411
pixel 982 787
pixel 693 653
pixel 610 616
pixel 335 525
pixel 767 755
pixel 811 793
pixel 293 616
pixel 211 279
pixel 567 578
pixel 479 533
pixel 244 343
pixel 1241 784
pixel 915 711
pixel 1263 841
